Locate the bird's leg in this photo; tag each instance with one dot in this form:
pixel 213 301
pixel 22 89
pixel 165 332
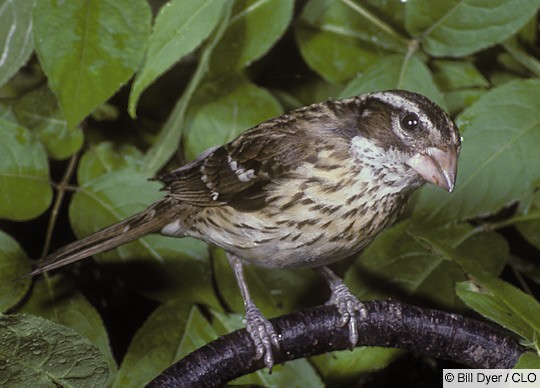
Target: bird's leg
pixel 345 301
pixel 259 328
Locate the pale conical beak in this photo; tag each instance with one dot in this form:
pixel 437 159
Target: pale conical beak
pixel 437 166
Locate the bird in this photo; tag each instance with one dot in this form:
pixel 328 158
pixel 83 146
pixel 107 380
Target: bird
pixel 302 190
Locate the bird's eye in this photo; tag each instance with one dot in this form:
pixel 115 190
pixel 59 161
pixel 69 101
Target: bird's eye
pixel 410 122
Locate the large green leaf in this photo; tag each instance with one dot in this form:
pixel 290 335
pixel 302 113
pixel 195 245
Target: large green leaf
pixel 59 302
pixel 403 260
pixel 254 27
pixel 161 267
pixel 38 110
pixel 223 108
pixel 501 136
pixel 156 344
pixel 89 48
pixel 24 174
pixel 35 352
pixel 179 28
pixel 16 43
pixel 13 263
pixel 461 27
pixel 487 294
pixel 338 42
pixel 395 72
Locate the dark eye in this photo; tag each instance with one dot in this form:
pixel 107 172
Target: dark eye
pixel 410 122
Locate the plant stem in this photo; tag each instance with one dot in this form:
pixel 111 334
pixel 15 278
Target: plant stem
pixel 61 189
pixel 411 49
pixel 375 21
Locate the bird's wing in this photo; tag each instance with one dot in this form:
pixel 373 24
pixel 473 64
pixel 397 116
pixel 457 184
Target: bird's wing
pixel 237 173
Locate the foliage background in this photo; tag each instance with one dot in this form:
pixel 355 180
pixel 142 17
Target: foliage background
pixel 99 95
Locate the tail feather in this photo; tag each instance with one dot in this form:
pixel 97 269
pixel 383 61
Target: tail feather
pixel 103 240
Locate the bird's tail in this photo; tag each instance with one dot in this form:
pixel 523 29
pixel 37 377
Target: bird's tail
pixel 147 221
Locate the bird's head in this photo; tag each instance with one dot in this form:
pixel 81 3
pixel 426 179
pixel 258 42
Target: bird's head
pixel 412 131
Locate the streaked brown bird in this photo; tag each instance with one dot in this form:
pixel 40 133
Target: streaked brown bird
pixel 301 190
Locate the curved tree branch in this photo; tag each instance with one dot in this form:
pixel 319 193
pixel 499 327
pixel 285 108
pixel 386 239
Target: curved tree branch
pixel 314 331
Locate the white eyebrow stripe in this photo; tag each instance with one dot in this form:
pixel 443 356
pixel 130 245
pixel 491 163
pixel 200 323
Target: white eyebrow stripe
pixel 398 101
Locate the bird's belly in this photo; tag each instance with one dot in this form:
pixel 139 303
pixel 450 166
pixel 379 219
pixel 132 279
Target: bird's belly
pixel 281 247
pixel 296 240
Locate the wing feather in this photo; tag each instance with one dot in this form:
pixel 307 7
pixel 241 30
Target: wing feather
pixel 237 174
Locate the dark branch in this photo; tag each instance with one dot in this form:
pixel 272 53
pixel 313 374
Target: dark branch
pixel 315 331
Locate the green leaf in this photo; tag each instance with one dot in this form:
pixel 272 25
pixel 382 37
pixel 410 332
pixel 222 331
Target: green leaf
pixel 406 259
pixel 13 263
pixel 158 266
pixel 396 262
pixel 197 334
pixel 57 301
pixel 6 113
pixel 528 360
pixel 38 110
pixel 35 352
pixel 15 36
pixel 275 291
pixel 528 222
pixel 180 27
pixel 156 344
pixel 458 100
pixel 395 72
pixel 451 75
pixel 462 27
pixel 338 42
pixel 300 371
pixel 501 133
pixel 485 293
pixel 107 157
pixel 344 367
pixel 88 49
pixel 24 174
pixel 223 108
pixel 254 27
pixel 504 304
pixel 295 373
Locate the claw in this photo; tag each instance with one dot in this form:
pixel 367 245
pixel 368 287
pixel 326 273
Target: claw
pixel 348 305
pixel 262 333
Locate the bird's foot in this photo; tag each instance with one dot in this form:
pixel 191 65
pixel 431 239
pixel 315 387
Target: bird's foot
pixel 262 333
pixel 348 305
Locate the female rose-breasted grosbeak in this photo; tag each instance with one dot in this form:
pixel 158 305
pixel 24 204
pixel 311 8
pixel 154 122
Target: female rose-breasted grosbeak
pixel 301 190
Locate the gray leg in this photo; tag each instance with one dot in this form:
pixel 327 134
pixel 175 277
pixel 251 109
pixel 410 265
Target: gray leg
pixel 259 328
pixel 345 301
